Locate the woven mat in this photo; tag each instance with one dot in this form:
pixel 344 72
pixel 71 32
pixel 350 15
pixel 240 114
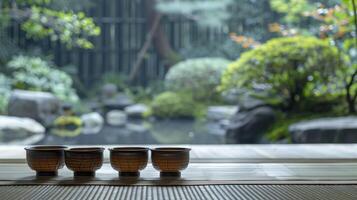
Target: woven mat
pixel 205 192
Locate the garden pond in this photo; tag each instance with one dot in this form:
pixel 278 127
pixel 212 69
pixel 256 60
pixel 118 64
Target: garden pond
pixel 174 131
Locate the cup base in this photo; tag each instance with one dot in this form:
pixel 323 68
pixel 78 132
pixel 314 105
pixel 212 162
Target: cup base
pixel 91 174
pixel 126 174
pixel 46 173
pixel 170 174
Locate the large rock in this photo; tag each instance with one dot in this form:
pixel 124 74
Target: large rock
pixel 118 102
pixel 215 128
pixel 325 130
pixel 136 111
pixel 92 123
pixel 249 126
pixel 16 130
pixel 116 118
pixel 40 106
pixel 217 113
pixel 248 103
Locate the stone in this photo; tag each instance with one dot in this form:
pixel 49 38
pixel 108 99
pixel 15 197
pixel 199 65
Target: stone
pixel 108 91
pixel 92 123
pixel 118 102
pixel 249 126
pixel 116 118
pixel 43 107
pixel 248 103
pixel 22 131
pixel 217 113
pixel 215 129
pixel 325 130
pixel 136 110
pixel 232 96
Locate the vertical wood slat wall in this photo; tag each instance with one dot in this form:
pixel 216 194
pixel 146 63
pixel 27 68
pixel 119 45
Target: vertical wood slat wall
pixel 123 31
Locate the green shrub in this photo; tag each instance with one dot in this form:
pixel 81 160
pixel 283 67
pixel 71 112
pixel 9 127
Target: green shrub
pixel 175 105
pixel 199 76
pixel 289 68
pixel 33 73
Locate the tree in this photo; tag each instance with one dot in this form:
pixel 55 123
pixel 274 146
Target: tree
pixel 331 20
pixel 206 13
pixel 39 19
pixel 241 17
pixel 290 68
pixel 157 36
pixel 351 81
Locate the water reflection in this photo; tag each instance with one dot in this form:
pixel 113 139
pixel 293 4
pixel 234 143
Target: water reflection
pixel 178 131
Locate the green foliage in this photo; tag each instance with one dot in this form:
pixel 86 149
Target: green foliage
pixel 280 129
pixel 223 49
pixel 289 68
pixel 67 126
pixel 198 77
pixel 5 90
pixel 175 105
pixel 40 19
pixel 140 94
pixel 146 94
pixel 293 9
pixel 205 12
pixel 68 27
pixel 119 80
pixel 33 73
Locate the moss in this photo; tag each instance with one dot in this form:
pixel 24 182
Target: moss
pixel 67 126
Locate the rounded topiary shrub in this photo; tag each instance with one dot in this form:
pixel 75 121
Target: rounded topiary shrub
pixel 289 68
pixel 173 105
pixel 199 76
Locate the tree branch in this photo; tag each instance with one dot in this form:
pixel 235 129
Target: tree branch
pixel 145 48
pixel 355 18
pixel 352 81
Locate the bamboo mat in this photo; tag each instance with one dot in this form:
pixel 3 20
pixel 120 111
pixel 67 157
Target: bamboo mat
pixel 207 192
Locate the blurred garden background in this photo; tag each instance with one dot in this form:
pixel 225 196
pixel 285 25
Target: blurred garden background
pixel 178 71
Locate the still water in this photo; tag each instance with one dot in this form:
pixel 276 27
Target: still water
pixel 144 132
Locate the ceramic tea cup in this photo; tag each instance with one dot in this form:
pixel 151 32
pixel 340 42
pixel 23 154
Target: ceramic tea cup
pixel 170 161
pixel 45 160
pixel 129 160
pixel 84 161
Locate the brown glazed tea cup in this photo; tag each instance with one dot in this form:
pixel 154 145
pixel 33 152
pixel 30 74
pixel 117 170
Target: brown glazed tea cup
pixel 45 160
pixel 129 160
pixel 170 160
pixel 84 161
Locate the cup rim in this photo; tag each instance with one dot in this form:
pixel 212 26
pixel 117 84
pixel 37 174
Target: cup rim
pixel 46 148
pixel 85 149
pixel 171 149
pixel 128 149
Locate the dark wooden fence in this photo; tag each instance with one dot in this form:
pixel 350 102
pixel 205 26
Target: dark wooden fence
pixel 123 31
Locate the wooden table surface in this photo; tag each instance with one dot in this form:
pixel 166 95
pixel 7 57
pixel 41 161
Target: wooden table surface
pixel 238 153
pixel 200 173
pixel 219 164
pixel 216 172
